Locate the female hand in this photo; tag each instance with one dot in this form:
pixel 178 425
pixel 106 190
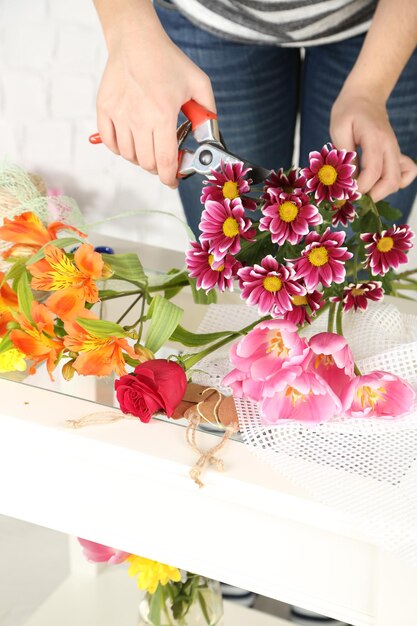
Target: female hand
pixel 362 120
pixel 146 81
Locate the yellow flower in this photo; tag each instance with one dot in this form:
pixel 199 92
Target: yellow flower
pixel 12 361
pixel 151 573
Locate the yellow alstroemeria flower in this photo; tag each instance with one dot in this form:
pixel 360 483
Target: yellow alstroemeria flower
pixel 12 360
pixel 151 573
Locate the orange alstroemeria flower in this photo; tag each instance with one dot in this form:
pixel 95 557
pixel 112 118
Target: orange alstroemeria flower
pixel 37 341
pixel 28 233
pixel 97 356
pixel 8 304
pixel 73 283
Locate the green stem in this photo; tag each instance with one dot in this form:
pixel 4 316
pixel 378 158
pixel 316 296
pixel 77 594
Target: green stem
pixel 316 315
pixel 355 262
pixel 412 286
pixel 181 283
pixel 376 212
pixel 330 322
pixel 165 608
pixel 190 361
pixel 407 273
pixel 129 308
pixel 140 329
pixel 122 294
pixel 339 315
pixel 357 370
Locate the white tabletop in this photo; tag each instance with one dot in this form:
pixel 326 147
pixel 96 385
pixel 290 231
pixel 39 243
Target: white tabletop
pixel 127 485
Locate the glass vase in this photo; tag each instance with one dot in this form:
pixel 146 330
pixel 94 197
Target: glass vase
pixel 194 601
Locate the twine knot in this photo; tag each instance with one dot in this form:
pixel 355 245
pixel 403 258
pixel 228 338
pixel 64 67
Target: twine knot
pixel 207 456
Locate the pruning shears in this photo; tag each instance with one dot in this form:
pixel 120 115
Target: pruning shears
pixel 211 150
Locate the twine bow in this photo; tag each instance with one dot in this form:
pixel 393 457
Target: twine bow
pixel 195 417
pixel 208 456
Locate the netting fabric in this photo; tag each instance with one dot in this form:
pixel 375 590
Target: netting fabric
pixel 21 191
pixel 365 467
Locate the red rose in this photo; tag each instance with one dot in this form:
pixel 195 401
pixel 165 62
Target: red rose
pixel 154 386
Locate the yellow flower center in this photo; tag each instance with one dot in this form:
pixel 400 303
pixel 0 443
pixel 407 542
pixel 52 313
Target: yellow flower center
pixel 299 300
pixel 318 256
pixel 230 227
pixel 230 190
pixel 327 174
pixel 288 211
pixel 369 396
pixel 272 284
pixel 295 395
pixel 276 345
pixel 339 203
pixel 324 359
pixel 385 244
pixel 215 269
pixel 357 292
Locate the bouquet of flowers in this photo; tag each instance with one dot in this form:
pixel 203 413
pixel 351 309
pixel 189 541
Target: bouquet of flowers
pixel 313 245
pixel 173 598
pixel 304 244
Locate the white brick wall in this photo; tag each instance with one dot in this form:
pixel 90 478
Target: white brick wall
pixel 51 58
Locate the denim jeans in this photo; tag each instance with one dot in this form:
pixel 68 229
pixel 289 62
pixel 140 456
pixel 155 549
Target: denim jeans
pixel 260 89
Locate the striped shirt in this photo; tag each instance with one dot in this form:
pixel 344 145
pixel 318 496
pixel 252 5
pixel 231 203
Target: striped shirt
pixel 282 22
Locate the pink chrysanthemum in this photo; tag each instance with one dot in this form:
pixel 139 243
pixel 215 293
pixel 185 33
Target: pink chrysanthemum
pixel 201 265
pixel 329 174
pixel 357 296
pixel 301 305
pixel 288 217
pixel 323 259
pixel 386 250
pixel 270 286
pixel 230 183
pixel 223 224
pixel 279 182
pixel 343 212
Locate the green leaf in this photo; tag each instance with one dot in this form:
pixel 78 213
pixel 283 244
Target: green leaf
pixel 101 328
pixel 170 279
pixel 171 292
pixel 199 295
pixel 6 344
pixel 155 606
pixel 366 204
pixel 164 316
pixel 24 295
pixel 186 338
pixel 203 606
pixel 369 223
pixel 126 266
pixel 15 271
pixel 63 242
pixel 387 211
pixel 251 252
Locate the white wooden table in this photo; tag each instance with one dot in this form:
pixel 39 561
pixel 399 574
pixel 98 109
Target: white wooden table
pixel 127 485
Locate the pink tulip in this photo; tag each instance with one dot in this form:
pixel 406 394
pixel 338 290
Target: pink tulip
pixel 332 359
pixel 243 386
pixel 301 396
pixel 97 553
pixel 378 394
pixel 267 348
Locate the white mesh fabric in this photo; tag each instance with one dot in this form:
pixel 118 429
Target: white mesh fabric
pixel 21 192
pixel 364 467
